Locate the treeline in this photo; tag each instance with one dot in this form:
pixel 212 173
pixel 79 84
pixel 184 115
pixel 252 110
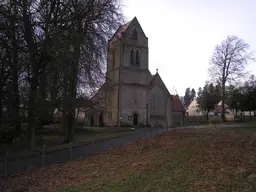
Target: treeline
pixel 51 53
pixel 206 97
pixel 238 98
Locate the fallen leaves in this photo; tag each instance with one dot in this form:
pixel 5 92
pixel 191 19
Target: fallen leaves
pixel 219 156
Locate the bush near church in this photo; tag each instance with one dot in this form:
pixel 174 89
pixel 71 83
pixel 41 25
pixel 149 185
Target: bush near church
pixel 214 120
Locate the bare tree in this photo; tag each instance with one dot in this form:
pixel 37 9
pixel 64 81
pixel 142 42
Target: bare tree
pixel 93 23
pixel 11 43
pixel 50 50
pixel 228 63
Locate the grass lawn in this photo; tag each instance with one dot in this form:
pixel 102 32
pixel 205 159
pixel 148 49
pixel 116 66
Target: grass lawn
pixel 53 140
pixel 183 160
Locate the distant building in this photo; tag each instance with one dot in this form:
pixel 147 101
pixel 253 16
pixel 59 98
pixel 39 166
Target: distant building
pixel 178 111
pixel 194 110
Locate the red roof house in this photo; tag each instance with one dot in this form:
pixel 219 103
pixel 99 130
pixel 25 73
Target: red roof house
pixel 178 111
pixel 176 104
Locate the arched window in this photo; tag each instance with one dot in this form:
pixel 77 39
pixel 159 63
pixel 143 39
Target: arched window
pixel 114 59
pixel 134 34
pixel 131 57
pixel 137 57
pixel 152 105
pixel 110 97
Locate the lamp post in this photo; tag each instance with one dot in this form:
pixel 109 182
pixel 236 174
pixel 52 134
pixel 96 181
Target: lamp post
pixel 119 121
pixel 147 114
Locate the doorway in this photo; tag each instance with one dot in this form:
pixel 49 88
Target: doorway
pixel 92 120
pixel 101 120
pixel 135 119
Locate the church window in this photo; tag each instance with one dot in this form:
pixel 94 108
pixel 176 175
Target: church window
pixel 109 116
pixel 131 57
pixel 114 59
pixel 134 34
pixel 110 96
pixel 157 102
pixel 153 105
pixel 137 57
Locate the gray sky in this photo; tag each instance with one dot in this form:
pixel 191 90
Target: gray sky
pixel 183 33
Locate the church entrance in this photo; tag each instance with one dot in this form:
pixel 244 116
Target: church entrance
pixel 135 119
pixel 101 120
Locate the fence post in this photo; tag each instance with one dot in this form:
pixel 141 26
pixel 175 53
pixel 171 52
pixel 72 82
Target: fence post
pixel 71 151
pixel 43 155
pixel 6 163
pixel 253 186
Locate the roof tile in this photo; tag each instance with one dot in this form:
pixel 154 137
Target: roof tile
pixel 119 32
pixel 176 104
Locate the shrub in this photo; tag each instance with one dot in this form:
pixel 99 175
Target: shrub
pixel 214 120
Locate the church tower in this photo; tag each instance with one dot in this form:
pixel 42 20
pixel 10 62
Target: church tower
pixel 127 78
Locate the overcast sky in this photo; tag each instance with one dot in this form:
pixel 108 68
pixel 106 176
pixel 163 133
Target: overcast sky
pixel 183 33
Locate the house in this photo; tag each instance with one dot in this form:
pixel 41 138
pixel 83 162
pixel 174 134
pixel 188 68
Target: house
pixel 194 110
pixel 218 109
pixel 178 111
pixel 82 104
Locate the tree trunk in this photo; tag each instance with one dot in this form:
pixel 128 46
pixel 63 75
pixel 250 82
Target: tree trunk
pixel 42 101
pixel 32 113
pixel 72 100
pixel 53 95
pixel 73 81
pixel 223 102
pixel 1 107
pixel 207 116
pixel 34 64
pixel 65 102
pixel 15 87
pixel 16 107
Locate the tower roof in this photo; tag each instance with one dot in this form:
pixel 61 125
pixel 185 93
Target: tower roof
pixel 118 34
pixel 120 30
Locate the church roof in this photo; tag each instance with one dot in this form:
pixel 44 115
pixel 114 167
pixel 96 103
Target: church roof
pixel 156 78
pixel 120 30
pixel 118 34
pixel 176 104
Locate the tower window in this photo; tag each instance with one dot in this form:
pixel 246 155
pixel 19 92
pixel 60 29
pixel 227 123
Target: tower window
pixel 134 34
pixel 110 97
pixel 131 57
pixel 114 59
pixel 137 57
pixel 109 116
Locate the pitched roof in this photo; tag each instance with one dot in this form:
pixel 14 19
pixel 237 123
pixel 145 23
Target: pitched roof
pixel 120 30
pixel 154 78
pixel 118 34
pixel 176 104
pixel 219 107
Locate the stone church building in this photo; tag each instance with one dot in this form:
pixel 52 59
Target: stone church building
pixel 131 95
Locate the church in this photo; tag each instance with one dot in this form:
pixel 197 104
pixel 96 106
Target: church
pixel 131 95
